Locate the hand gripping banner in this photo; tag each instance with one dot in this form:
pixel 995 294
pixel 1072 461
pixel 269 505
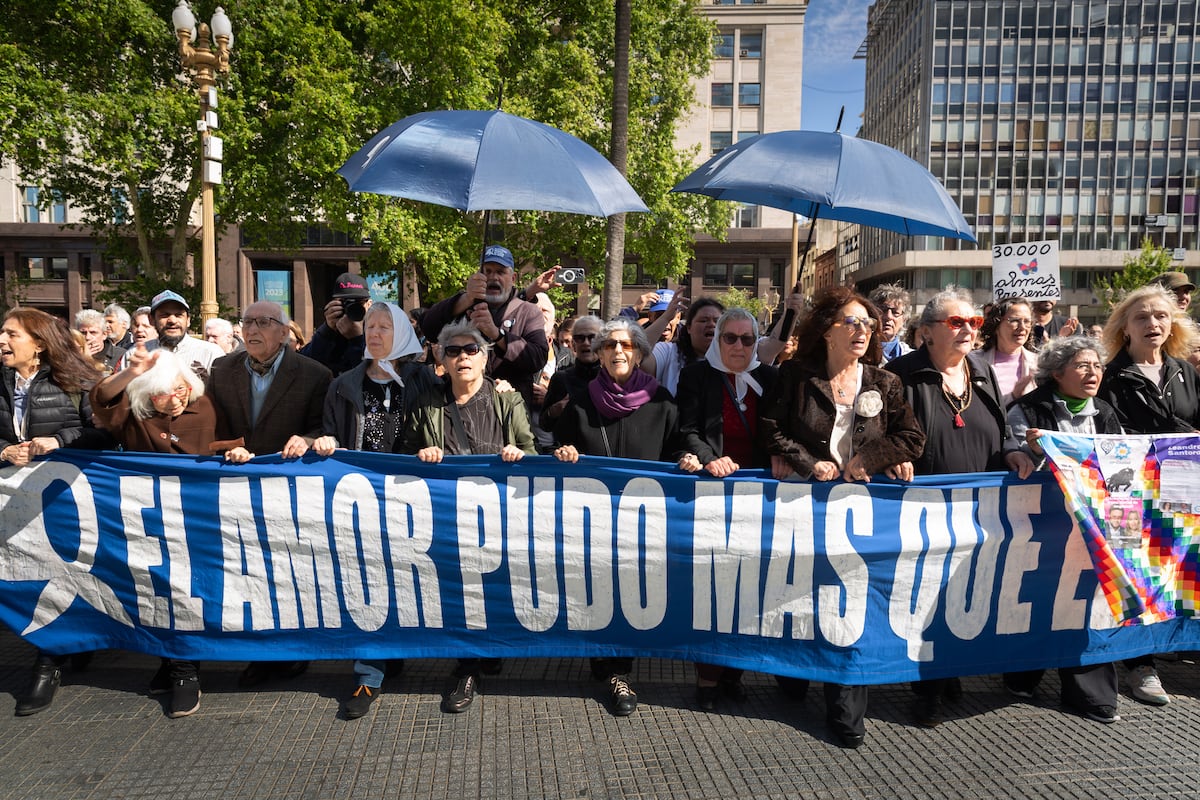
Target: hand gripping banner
pixel 381 556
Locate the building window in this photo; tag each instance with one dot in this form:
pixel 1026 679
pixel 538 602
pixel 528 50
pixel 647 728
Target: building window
pixel 719 140
pixel 749 93
pixel 58 209
pixel 44 268
pixel 751 45
pixel 723 45
pixel 745 217
pixel 743 275
pixel 722 95
pixel 744 135
pixel 29 205
pixel 716 274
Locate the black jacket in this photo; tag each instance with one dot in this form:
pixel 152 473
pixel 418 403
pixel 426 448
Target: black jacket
pixel 50 412
pixel 1144 408
pixel 1038 407
pixel 923 389
pixel 344 406
pixel 700 396
pixel 566 387
pixel 651 433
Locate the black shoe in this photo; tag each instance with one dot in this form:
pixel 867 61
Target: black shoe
pixel 46 678
pixel 792 688
pixel 360 702
pixel 706 697
pixel 185 697
pixel 463 694
pixel 623 697
pixel 255 673
pixel 161 682
pixel 732 688
pixel 849 741
pixel 952 691
pixel 1017 690
pixel 927 711
pixel 286 670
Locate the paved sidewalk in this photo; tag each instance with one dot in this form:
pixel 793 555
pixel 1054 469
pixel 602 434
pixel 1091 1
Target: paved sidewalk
pixel 542 730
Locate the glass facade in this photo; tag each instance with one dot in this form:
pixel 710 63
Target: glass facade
pixel 1076 120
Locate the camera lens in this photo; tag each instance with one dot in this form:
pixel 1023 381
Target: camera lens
pixel 354 309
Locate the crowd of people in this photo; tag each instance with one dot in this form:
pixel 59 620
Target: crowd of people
pixel 855 392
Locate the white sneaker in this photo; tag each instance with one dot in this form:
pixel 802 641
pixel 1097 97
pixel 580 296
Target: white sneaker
pixel 1145 686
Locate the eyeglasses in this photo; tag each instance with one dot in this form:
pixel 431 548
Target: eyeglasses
pixel 259 322
pixel 890 311
pixel 456 350
pixel 954 322
pixel 1019 322
pixel 179 391
pixel 611 344
pixel 747 339
pixel 582 337
pixel 857 322
pixel 1088 366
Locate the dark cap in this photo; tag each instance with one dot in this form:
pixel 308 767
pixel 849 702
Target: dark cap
pixel 350 285
pixel 1174 281
pixel 497 254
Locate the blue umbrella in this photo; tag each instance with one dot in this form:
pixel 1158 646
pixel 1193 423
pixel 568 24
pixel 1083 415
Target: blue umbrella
pixel 832 175
pixel 489 160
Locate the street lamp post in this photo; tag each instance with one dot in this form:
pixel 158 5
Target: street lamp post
pixel 206 64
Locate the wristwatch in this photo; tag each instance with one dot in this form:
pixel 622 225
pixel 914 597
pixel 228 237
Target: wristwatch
pixel 499 338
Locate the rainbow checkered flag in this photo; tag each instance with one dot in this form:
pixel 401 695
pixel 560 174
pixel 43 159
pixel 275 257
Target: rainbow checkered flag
pixel 1136 500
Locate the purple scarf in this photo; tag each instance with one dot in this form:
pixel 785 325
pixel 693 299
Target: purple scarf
pixel 614 401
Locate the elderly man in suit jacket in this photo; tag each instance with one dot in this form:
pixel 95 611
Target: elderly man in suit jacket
pixel 274 399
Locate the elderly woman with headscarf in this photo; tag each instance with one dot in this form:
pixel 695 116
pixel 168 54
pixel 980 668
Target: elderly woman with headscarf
pixel 157 405
pixel 1068 377
pixel 832 415
pixel 719 400
pixel 367 408
pixel 625 413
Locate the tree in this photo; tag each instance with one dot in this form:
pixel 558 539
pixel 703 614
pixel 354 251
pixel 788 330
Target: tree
pixel 94 110
pixel 1150 262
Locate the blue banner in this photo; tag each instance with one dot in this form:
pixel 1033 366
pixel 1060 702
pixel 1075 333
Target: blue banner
pixel 380 556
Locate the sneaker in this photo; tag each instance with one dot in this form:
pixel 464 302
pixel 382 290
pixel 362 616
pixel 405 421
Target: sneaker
pixel 623 697
pixel 360 702
pixel 1017 691
pixel 463 694
pixel 161 682
pixel 185 697
pixel 1144 685
pixel 1104 714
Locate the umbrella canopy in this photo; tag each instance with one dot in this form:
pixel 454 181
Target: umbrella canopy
pixel 489 160
pixel 833 176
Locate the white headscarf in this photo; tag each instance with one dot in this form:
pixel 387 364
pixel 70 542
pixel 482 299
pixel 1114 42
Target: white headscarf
pixel 741 380
pixel 405 341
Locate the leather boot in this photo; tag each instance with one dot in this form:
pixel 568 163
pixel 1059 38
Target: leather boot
pixel 46 678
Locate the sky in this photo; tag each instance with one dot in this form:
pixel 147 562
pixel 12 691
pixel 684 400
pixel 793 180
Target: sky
pixel 833 31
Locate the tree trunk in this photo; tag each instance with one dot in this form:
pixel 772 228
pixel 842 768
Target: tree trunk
pixel 614 267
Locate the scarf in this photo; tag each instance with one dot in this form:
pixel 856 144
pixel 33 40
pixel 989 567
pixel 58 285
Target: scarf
pixel 404 342
pixel 742 381
pixel 614 401
pixel 261 368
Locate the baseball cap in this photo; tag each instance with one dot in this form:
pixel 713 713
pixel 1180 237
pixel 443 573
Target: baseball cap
pixel 350 285
pixel 664 299
pixel 167 296
pixel 497 254
pixel 1174 281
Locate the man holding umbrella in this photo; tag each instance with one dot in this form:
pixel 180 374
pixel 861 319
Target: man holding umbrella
pixel 514 327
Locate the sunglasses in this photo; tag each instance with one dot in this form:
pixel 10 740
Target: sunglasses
pixel 747 339
pixel 456 350
pixel 954 322
pixel 582 337
pixel 611 344
pixel 857 322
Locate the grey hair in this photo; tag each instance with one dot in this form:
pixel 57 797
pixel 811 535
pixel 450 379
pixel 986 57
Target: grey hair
pixel 891 293
pixel 636 334
pixel 1058 352
pixel 118 312
pixel 142 311
pixel 223 325
pixel 88 316
pixel 591 319
pixel 936 306
pixel 464 328
pixel 161 379
pixel 737 313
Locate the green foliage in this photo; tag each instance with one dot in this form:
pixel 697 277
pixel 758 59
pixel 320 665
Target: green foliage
pixel 94 108
pixel 1138 271
pixel 740 298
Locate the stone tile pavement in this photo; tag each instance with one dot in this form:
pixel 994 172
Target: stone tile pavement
pixel 542 730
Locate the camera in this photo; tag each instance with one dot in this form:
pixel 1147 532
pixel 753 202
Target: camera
pixel 568 275
pixel 354 308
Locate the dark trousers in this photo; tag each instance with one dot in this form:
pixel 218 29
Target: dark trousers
pixel 716 673
pixel 607 667
pixel 1082 687
pixel 845 706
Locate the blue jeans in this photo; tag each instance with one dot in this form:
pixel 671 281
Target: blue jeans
pixel 369 673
